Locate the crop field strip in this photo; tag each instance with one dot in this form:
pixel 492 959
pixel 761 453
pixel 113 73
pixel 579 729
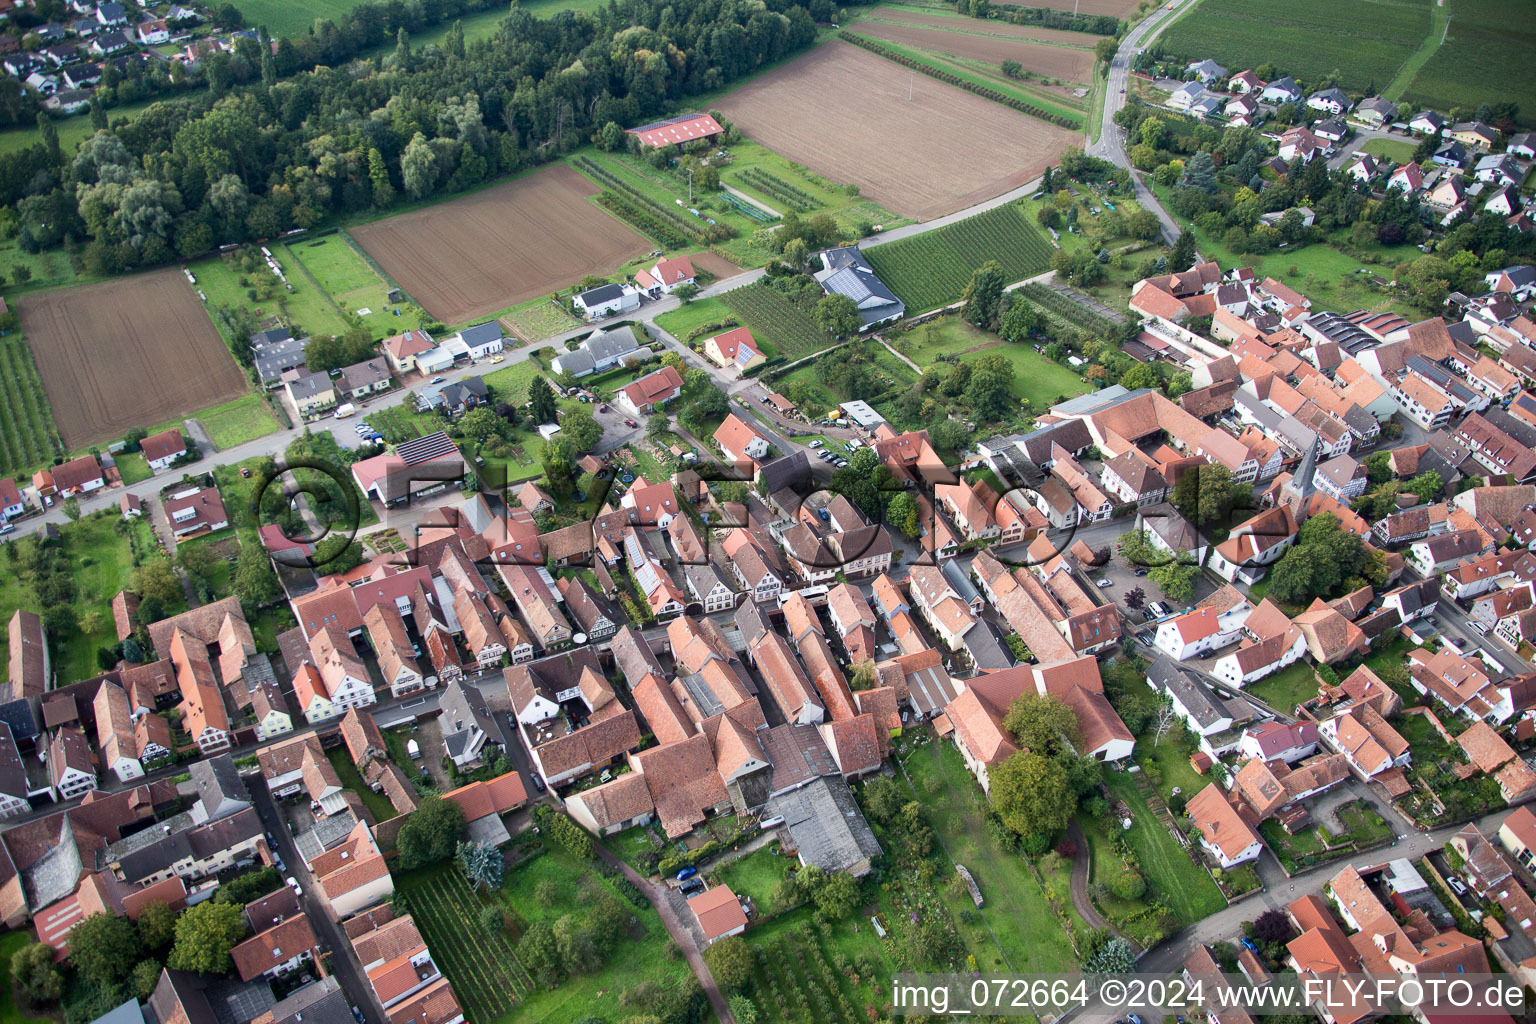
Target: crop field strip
pixel 626 201
pixel 920 150
pixel 781 191
pixel 933 268
pixel 1486 56
pixel 134 351
pixel 28 437
pixel 780 320
pixel 493 249
pixel 486 974
pixel 1366 41
pixel 1073 63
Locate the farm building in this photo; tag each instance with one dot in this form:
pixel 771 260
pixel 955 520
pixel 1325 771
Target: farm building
pixel 417 468
pixel 845 271
pixel 678 131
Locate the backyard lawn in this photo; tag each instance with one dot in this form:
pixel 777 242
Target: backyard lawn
pixel 377 803
pixel 685 319
pixel 537 319
pixel 1398 151
pixel 132 467
pixel 1028 936
pixel 307 309
pixel 755 875
pixel 1179 882
pixel 97 550
pixel 1287 688
pixel 511 383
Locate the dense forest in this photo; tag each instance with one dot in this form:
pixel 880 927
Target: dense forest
pixel 269 147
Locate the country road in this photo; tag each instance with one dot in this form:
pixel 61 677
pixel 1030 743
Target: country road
pixel 1111 144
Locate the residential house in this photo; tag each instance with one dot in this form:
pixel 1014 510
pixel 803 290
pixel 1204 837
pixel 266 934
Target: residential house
pixel 666 276
pixel 1224 833
pixel 402 349
pixel 641 397
pixel 1278 741
pixel 466 723
pixel 600 352
pixel 311 393
pixel 1215 623
pixel 735 349
pixel 739 442
pixel 605 301
pixel 71 767
pixel 1370 744
pixel 160 450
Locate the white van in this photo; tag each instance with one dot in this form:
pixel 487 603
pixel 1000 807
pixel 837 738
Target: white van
pixel 344 410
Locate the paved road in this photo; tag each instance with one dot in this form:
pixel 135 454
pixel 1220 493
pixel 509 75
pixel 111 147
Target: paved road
pixel 344 963
pixel 1111 143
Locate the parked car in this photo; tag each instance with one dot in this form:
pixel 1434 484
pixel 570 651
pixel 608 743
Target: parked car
pixel 1456 884
pixel 1140 570
pixel 293 883
pixel 1250 946
pixel 631 424
pixel 538 782
pixel 603 407
pixel 815 444
pixel 1102 584
pixel 497 359
pixel 437 380
pixel 687 872
pixel 1479 628
pixel 692 887
pixel 245 472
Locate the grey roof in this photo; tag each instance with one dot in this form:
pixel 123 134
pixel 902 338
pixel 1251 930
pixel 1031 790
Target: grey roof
pixel 1169 524
pixel 309 385
pixel 125 1013
pixel 959 580
pixel 481 334
pixel 1514 426
pixel 1072 435
pixel 198 842
pixel 751 620
pixel 1288 84
pixel 1376 104
pixel 1193 694
pixel 22 719
pixel 462 705
pixel 273 357
pixel 849 273
pixel 56 873
pixel 785 472
pixel 366 373
pixel 633 656
pixel 13 775
pixel 326 833
pixel 702 579
pixel 1094 401
pixel 220 790
pixel 180 994
pixel 320 1002
pixel 826 825
pixel 601 294
pixel 1336 95
pixel 599 346
pixel 986 645
pixel 1416 595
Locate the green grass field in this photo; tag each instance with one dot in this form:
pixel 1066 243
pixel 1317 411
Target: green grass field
pixel 933 268
pixel 1183 885
pixel 1366 41
pixel 307 309
pixel 1036 379
pixel 235 422
pixel 1486 56
pixel 28 436
pixel 103 562
pixel 1015 913
pixel 755 875
pixel 1287 688
pixel 285 18
pixel 132 467
pixel 1391 149
pixel 511 383
pixel 351 283
pixel 72 130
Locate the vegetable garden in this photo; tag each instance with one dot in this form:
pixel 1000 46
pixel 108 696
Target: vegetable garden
pixel 28 437
pixel 795 198
pixel 933 268
pixel 782 321
pixel 484 969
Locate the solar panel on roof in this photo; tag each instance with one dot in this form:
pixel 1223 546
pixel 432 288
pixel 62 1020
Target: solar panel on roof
pixel 423 449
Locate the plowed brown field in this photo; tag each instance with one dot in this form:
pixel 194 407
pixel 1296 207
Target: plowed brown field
pixel 1043 59
pixel 482 253
pixel 844 113
pixel 128 353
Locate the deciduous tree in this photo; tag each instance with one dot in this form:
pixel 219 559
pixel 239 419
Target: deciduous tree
pixel 1030 793
pixel 204 936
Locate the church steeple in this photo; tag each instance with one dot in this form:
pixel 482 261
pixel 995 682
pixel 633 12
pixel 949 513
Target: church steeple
pixel 1299 487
